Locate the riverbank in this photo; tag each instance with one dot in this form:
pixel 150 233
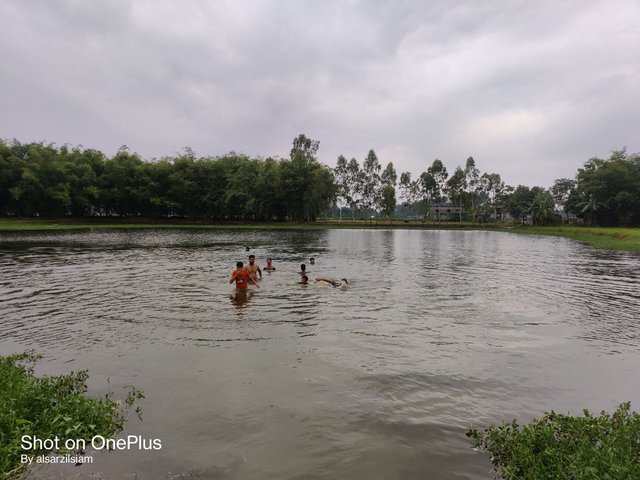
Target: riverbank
pixel 623 239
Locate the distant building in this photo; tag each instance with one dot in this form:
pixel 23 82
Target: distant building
pixel 445 211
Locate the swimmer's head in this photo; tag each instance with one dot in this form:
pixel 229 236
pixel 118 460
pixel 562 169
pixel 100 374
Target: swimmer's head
pixel 304 279
pixel 269 260
pixel 312 260
pixel 239 265
pixel 303 267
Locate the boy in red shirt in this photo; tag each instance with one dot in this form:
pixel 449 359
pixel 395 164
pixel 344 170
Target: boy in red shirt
pixel 241 276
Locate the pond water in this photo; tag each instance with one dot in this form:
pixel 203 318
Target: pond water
pixel 437 330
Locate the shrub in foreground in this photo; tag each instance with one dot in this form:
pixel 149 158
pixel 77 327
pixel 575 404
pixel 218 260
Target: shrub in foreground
pixel 563 447
pixel 50 406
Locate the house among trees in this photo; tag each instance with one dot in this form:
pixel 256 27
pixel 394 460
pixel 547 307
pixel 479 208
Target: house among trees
pixel 445 211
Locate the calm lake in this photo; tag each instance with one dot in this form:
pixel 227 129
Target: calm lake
pixel 437 330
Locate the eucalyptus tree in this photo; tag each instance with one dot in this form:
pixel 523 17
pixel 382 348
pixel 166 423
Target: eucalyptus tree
pixel 343 186
pixel 304 147
pixel 492 188
pixel 389 175
pixel 473 186
pixel 428 191
pixel 371 180
pixel 455 188
pixel 388 200
pixel 355 182
pixel 409 189
pixel 439 173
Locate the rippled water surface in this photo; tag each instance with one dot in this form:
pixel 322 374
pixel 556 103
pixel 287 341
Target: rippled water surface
pixel 437 330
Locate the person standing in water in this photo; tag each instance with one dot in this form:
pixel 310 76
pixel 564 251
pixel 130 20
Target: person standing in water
pixel 269 267
pixel 241 277
pixel 303 269
pixel 312 260
pixel 253 268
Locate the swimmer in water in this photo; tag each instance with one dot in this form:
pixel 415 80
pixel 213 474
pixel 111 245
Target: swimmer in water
pixel 303 269
pixel 304 280
pixel 253 268
pixel 241 276
pixel 332 282
pixel 312 260
pixel 269 267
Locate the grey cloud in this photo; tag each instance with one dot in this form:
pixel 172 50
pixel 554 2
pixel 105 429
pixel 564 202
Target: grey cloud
pixel 518 85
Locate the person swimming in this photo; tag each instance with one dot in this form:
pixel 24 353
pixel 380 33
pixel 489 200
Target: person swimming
pixel 269 267
pixel 332 282
pixel 304 280
pixel 312 260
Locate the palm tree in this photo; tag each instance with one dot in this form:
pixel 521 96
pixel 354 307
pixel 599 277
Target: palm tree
pixel 541 208
pixel 590 209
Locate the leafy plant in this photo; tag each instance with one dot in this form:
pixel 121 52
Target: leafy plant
pixel 49 407
pixel 565 447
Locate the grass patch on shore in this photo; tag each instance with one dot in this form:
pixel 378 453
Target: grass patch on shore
pixel 627 239
pixel 50 407
pixel 565 447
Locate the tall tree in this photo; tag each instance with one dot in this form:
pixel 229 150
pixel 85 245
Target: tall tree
pixel 561 191
pixel 371 180
pixel 343 186
pixel 455 188
pixel 304 147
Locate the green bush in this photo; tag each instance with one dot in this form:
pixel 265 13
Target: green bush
pixel 50 406
pixel 563 447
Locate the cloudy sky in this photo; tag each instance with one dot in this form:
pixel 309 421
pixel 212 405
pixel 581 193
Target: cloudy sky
pixel 531 90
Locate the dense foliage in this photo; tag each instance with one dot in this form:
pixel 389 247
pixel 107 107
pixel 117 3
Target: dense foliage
pixel 41 180
pixel 607 192
pixel 48 407
pixel 563 447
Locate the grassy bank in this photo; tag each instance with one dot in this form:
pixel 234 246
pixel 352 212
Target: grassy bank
pixel 49 407
pixel 625 239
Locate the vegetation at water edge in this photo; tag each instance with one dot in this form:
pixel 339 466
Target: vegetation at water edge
pixel 565 447
pixel 38 180
pixel 50 406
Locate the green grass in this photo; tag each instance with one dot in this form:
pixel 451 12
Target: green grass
pixel 50 406
pixel 565 447
pixel 625 239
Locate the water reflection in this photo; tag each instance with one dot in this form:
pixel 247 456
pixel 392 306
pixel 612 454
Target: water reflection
pixel 240 298
pixel 436 330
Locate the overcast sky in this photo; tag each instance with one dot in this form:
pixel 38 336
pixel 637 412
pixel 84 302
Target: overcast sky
pixel 531 90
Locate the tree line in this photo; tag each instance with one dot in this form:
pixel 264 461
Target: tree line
pixel 42 180
pixel 603 192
